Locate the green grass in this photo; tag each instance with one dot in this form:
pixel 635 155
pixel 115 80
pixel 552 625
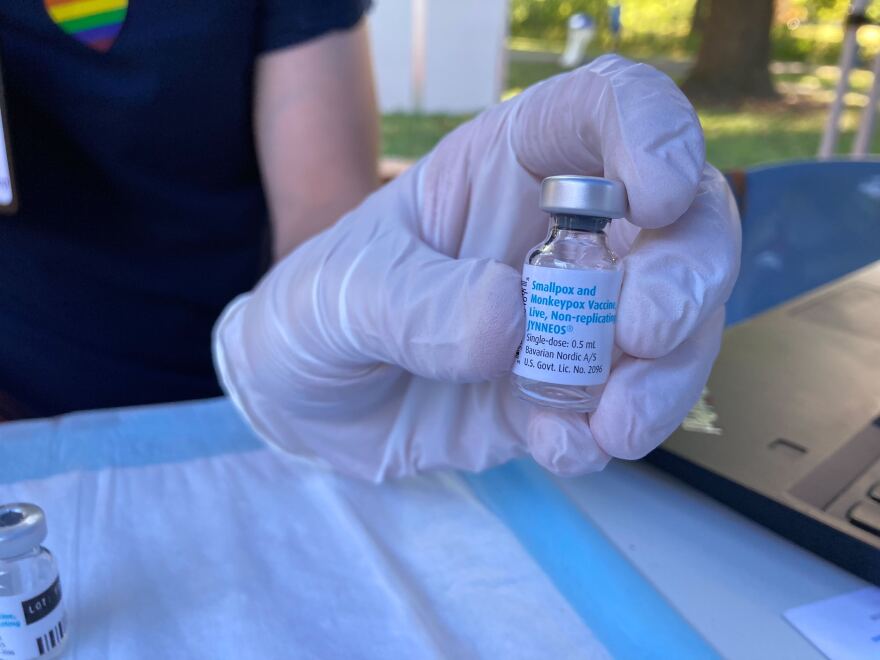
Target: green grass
pixel 522 73
pixel 735 137
pixel 412 135
pixel 740 139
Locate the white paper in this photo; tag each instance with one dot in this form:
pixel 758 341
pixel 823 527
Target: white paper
pixel 258 555
pixel 845 627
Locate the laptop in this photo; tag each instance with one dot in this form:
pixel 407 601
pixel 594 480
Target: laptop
pixel 788 428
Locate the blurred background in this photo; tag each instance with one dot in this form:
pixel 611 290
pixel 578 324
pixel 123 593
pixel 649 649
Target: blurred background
pixel 762 80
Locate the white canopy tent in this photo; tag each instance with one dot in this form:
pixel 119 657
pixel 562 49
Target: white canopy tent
pixel 439 55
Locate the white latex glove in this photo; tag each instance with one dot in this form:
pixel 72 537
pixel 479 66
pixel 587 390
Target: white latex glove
pixel 382 346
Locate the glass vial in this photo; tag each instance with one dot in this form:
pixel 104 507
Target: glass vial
pixel 571 282
pixel 33 623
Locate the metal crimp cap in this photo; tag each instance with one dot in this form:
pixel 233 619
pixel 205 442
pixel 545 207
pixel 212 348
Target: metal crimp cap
pixel 22 528
pixel 583 195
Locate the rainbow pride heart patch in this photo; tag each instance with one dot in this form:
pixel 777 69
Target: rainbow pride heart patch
pixel 96 23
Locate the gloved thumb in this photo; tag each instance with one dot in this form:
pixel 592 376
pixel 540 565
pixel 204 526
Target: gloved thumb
pixel 372 291
pixel 457 320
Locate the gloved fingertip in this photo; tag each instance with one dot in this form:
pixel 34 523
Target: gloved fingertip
pixel 677 276
pixel 656 394
pixel 665 147
pixel 664 195
pixel 657 315
pixel 563 444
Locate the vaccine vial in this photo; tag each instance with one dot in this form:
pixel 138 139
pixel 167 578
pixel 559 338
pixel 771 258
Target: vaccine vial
pixel 33 623
pixel 570 286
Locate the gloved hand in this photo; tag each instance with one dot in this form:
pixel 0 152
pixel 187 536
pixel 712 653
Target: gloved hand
pixel 382 346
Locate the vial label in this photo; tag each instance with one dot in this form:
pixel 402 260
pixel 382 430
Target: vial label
pixel 32 625
pixel 570 316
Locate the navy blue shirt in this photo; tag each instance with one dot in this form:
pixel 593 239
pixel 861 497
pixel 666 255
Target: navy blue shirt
pixel 141 210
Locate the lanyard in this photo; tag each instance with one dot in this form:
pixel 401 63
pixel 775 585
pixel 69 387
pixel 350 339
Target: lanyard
pixel 8 194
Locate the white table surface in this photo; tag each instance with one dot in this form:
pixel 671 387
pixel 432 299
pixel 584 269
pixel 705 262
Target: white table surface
pixel 731 578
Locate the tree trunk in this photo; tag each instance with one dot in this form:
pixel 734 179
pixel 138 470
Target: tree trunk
pixel 698 19
pixel 734 56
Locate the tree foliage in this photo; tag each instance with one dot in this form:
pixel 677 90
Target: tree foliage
pixel 802 29
pixel 546 19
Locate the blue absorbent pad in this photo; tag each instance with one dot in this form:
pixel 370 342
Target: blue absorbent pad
pixel 180 535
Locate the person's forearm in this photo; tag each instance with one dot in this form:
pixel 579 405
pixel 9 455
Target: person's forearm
pixel 317 134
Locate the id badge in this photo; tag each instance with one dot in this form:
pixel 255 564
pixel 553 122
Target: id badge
pixel 8 195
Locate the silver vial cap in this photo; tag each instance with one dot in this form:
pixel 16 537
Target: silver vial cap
pixel 22 528
pixel 583 195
